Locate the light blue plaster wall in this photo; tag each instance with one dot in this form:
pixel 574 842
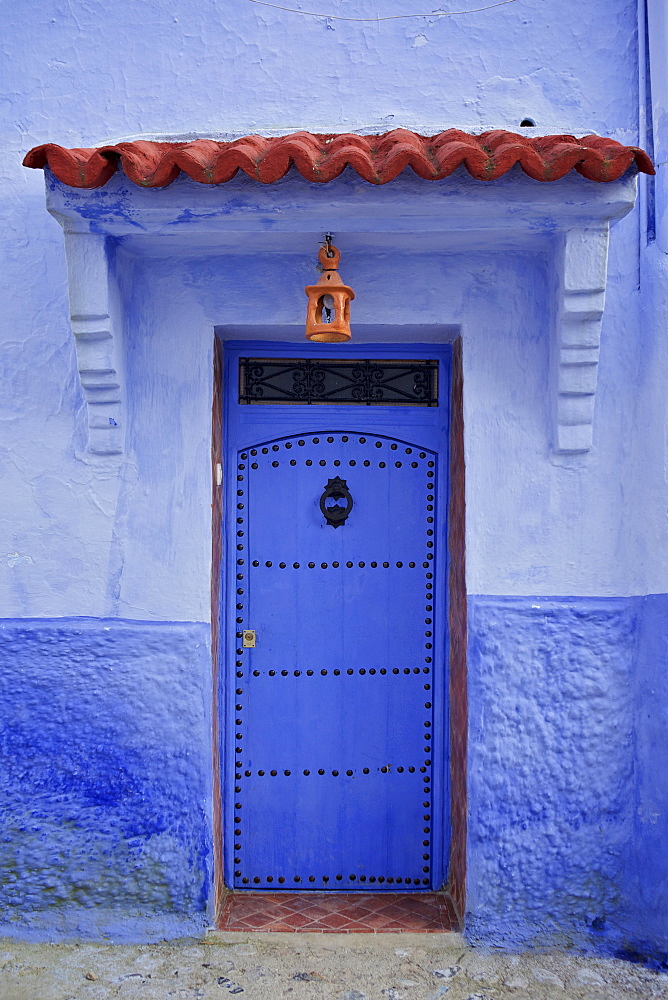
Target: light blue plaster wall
pixel 81 73
pixel 565 525
pixel 170 67
pixel 552 692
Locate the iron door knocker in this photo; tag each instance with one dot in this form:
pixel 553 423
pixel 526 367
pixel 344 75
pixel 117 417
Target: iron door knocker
pixel 336 489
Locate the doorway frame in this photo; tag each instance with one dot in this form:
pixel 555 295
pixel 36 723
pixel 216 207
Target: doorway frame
pixel 451 702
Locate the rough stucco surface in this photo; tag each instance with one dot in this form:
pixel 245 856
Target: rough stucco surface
pixel 105 777
pixel 550 769
pixel 184 69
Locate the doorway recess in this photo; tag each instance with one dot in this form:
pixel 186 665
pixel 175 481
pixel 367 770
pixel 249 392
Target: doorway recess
pixel 412 908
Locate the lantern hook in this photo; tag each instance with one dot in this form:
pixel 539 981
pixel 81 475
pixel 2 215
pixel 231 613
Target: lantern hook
pixel 328 243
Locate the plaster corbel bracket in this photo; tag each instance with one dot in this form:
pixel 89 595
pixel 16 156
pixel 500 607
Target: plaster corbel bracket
pixel 582 280
pixel 96 346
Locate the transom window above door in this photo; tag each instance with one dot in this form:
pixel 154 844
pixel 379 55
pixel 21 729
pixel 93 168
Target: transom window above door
pixel 313 381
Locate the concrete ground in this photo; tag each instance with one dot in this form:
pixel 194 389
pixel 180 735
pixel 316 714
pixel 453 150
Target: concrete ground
pixel 306 966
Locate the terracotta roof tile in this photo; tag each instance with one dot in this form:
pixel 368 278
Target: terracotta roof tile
pixel 376 158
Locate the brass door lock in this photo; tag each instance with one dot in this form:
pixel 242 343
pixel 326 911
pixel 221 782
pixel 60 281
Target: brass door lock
pixel 248 638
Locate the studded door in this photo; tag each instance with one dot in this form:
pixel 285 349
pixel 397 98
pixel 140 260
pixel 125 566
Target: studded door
pixel 333 705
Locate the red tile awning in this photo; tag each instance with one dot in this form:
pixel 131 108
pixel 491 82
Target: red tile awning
pixel 376 158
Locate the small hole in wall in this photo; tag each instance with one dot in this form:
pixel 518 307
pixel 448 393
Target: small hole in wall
pixel 527 123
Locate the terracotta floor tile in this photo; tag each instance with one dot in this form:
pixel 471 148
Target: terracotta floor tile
pixel 299 900
pixel 315 912
pixel 334 922
pixel 359 913
pixel 297 920
pixel 244 907
pixel 416 925
pixel 356 911
pixel 274 929
pixel 392 910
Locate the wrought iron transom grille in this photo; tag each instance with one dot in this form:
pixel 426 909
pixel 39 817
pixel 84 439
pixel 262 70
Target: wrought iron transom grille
pixel 310 381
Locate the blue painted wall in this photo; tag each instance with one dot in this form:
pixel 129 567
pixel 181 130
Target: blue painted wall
pixel 647 873
pixel 560 688
pixel 567 747
pixel 551 726
pixel 105 777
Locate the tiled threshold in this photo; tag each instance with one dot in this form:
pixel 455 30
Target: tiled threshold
pixel 338 913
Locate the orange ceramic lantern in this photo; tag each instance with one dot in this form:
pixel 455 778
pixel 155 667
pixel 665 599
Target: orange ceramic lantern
pixel 328 310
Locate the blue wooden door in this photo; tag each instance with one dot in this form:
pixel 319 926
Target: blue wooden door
pixel 338 562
